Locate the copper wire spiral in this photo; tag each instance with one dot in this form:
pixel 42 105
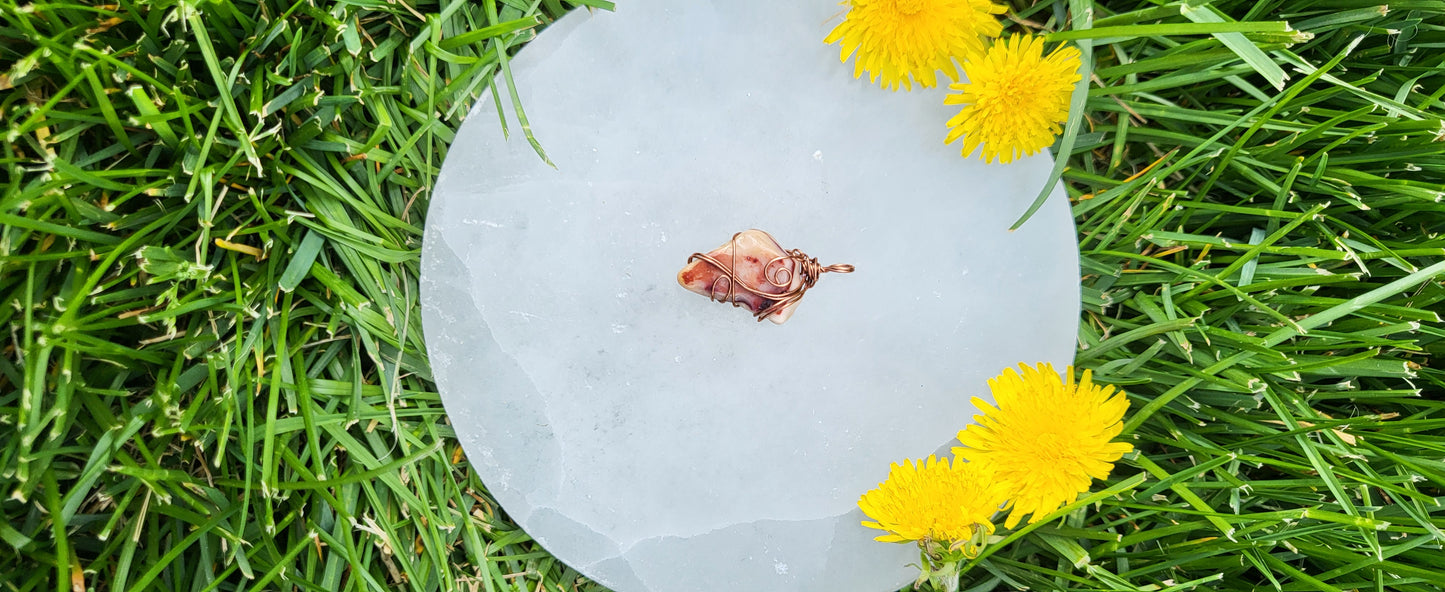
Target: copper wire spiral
pixel 782 277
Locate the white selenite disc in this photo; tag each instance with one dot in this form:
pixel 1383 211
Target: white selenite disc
pixel 655 440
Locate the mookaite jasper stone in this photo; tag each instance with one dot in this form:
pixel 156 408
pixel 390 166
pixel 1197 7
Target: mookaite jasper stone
pixel 755 258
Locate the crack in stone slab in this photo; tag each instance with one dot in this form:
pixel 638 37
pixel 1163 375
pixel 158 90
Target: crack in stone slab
pixel 499 474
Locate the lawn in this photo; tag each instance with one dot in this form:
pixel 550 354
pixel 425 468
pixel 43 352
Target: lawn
pixel 214 376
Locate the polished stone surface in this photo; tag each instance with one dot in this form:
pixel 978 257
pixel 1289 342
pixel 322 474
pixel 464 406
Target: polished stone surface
pixel 751 271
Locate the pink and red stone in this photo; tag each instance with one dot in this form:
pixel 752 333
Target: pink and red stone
pixel 758 256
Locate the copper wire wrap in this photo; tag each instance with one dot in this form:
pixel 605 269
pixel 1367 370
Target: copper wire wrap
pixel 782 277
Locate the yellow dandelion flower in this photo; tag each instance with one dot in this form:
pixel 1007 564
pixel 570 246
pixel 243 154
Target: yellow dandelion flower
pixel 1046 439
pixel 1015 98
pixel 933 501
pixel 904 41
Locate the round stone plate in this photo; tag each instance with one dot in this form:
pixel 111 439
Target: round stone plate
pixel 657 441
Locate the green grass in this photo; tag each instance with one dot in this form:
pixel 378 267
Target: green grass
pixel 214 376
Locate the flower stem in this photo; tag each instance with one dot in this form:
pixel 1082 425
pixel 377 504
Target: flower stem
pixel 946 577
